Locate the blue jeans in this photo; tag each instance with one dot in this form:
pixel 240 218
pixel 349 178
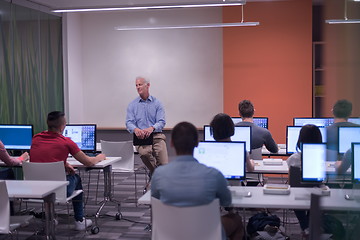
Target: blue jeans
pixel 75 184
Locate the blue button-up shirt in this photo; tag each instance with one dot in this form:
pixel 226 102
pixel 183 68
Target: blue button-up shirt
pixel 145 113
pixel 186 182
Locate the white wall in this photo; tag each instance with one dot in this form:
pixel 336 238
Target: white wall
pixel 73 71
pixel 184 66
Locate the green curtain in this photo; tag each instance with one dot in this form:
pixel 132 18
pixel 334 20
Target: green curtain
pixel 31 69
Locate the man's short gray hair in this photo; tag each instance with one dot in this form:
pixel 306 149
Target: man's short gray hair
pixel 145 79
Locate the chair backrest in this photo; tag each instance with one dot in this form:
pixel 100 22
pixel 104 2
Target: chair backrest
pixel 125 150
pixel 175 223
pixel 54 171
pixel 4 209
pixel 256 154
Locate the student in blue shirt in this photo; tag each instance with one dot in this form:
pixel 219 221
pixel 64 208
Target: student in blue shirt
pixel 186 182
pixel 146 119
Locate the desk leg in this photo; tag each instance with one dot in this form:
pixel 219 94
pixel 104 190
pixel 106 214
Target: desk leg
pixel 108 194
pixel 49 216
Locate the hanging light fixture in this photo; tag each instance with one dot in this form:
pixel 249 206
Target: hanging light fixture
pixel 153 7
pixel 345 20
pixel 206 25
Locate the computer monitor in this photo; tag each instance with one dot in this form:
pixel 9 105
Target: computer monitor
pixel 320 122
pixel 354 120
pixel 84 135
pixel 292 136
pixel 242 134
pixel 347 135
pixel 260 121
pixel 355 166
pixel 313 162
pixel 227 157
pixel 16 136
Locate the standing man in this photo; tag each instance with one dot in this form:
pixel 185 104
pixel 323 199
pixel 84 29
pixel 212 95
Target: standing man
pixel 145 118
pixel 52 146
pixel 260 136
pixel 186 182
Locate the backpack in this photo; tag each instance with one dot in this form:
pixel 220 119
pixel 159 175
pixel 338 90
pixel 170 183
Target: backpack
pixel 333 226
pixel 262 226
pixel 260 220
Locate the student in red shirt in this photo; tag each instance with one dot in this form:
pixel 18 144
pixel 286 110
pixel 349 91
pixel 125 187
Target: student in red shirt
pixel 52 146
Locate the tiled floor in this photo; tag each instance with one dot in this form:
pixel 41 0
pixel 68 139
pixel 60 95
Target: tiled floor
pixel 135 218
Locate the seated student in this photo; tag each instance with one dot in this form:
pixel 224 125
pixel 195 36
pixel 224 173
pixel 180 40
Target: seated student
pixel 8 173
pixel 341 166
pixel 260 136
pixel 186 182
pixel 52 146
pixel 342 110
pixel 10 161
pixel 308 134
pixel 222 128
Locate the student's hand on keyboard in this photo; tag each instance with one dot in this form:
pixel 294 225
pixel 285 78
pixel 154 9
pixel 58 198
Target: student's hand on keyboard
pixel 101 157
pixel 24 157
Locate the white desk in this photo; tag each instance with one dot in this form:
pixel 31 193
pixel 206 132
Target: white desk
pixel 39 190
pixel 98 148
pixel 106 166
pixel 277 169
pixel 336 200
pixel 103 164
pixel 281 152
pixel 260 167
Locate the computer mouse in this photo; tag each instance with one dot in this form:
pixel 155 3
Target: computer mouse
pixel 348 197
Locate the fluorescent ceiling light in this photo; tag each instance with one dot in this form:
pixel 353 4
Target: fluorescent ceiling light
pixel 345 20
pixel 142 7
pixel 341 21
pixel 212 25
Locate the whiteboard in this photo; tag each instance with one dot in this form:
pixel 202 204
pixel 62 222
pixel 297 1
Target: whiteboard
pixel 184 66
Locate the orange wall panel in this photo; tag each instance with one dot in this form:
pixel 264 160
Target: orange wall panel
pixel 270 64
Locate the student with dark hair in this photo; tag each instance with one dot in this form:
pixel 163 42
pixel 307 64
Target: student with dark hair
pixel 222 128
pixel 260 136
pixel 52 146
pixel 308 134
pixel 186 182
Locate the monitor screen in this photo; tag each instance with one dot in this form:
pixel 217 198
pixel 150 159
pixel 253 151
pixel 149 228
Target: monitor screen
pixel 242 134
pixel 355 166
pixel 260 121
pixel 354 120
pixel 292 136
pixel 313 162
pixel 348 135
pixel 320 122
pixel 227 157
pixel 16 136
pixel 84 135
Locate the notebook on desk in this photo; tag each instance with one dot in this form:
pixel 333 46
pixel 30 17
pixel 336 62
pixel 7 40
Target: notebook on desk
pixel 140 142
